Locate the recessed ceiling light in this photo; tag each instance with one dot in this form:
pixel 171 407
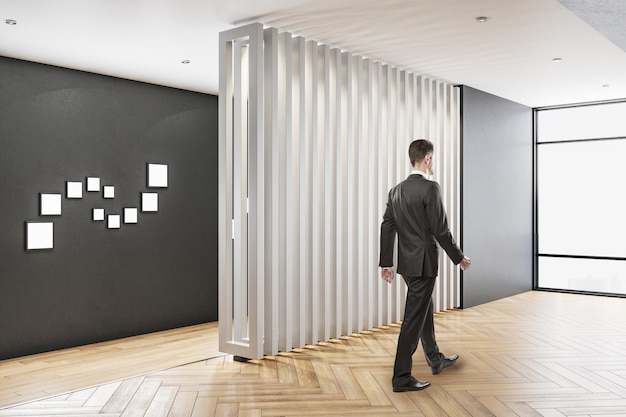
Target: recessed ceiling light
pixel 185 61
pixel 10 22
pixel 557 59
pixel 605 86
pixel 482 19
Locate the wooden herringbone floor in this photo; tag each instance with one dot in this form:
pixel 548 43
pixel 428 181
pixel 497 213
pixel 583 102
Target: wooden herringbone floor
pixel 535 354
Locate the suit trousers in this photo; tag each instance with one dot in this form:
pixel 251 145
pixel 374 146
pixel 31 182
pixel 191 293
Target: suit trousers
pixel 418 324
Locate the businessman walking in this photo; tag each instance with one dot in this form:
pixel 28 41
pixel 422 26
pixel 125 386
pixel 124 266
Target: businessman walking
pixel 415 213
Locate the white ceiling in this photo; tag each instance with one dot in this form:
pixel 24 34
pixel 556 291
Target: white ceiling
pixel 510 55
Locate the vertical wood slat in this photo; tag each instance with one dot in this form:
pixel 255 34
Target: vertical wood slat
pixel 438 113
pixel 289 283
pixel 304 192
pixel 274 107
pixel 360 186
pixel 380 156
pixel 225 186
pixel 351 123
pixel 297 191
pixel 317 170
pixel 341 192
pixel 440 156
pixel 241 150
pixel 240 183
pixel 334 132
pixel 307 240
pixel 392 309
pixel 373 201
pixel 401 166
pixel 256 196
pixel 330 186
pixel 365 192
pixel 453 122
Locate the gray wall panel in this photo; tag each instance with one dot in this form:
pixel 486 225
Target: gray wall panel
pixel 61 125
pixel 497 197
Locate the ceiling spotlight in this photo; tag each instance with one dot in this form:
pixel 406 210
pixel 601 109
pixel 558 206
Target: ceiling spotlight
pixel 10 22
pixel 481 19
pixel 185 61
pixel 557 59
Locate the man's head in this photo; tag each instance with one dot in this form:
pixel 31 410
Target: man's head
pixel 421 155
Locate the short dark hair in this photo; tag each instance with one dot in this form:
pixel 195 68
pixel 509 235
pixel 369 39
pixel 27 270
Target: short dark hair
pixel 418 149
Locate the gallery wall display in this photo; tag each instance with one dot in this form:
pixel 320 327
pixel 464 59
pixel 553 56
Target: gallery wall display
pixel 40 235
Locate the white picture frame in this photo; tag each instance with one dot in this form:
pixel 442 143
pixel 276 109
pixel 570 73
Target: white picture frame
pixel 39 235
pixel 93 184
pixel 130 215
pixel 157 175
pixel 50 204
pixel 98 215
pixel 108 191
pixel 114 221
pixel 74 189
pixel 149 202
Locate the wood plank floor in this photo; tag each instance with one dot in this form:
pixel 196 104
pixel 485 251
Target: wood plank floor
pixel 43 375
pixel 535 354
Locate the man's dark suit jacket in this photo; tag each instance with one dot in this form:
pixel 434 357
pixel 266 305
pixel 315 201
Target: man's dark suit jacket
pixel 415 212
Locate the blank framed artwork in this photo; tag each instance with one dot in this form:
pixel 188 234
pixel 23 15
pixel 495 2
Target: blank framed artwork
pixel 98 215
pixel 74 189
pixel 114 221
pixel 149 202
pixel 130 215
pixel 39 235
pixel 93 184
pixel 49 204
pixel 157 176
pixel 108 191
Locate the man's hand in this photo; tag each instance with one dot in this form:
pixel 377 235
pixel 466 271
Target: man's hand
pixel 465 263
pixel 387 274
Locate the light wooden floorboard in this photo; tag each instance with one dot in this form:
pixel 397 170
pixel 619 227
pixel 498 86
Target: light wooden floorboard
pixel 39 376
pixel 536 354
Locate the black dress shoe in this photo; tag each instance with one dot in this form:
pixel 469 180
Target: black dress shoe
pixel 414 385
pixel 444 364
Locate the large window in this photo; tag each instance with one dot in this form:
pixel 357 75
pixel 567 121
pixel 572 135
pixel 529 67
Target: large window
pixel 581 198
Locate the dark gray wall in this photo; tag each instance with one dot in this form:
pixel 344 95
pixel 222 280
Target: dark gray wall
pixel 497 197
pixel 59 125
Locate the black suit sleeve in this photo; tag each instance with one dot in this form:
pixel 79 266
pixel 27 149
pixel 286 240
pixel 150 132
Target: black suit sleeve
pixel 438 222
pixel 387 236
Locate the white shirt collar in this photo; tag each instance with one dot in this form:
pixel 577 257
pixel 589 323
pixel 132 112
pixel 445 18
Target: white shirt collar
pixel 423 174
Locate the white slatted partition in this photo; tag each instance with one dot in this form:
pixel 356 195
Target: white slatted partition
pixel 311 140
